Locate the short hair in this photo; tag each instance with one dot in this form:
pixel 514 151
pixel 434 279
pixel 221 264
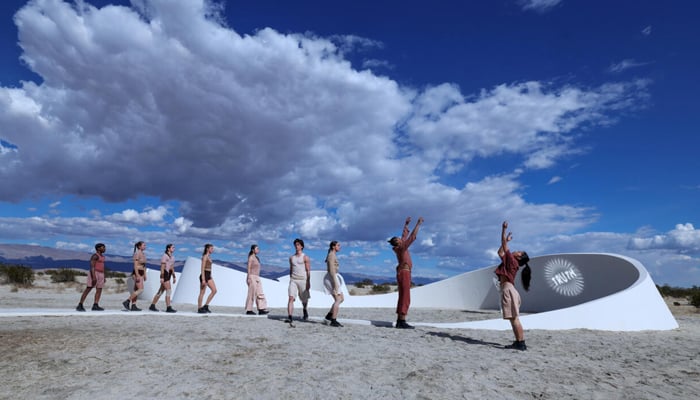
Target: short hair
pixel 394 241
pixel 301 242
pixel 98 245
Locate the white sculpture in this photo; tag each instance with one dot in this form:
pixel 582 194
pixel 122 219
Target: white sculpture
pixel 568 291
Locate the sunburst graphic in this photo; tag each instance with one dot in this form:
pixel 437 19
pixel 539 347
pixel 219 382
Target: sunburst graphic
pixel 564 277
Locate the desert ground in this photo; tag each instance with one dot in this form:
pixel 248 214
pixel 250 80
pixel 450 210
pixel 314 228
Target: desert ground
pixel 225 355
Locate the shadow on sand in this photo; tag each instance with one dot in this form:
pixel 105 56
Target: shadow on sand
pixel 467 340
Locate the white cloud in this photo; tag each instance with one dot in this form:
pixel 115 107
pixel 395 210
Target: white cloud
pixel 149 216
pixel 646 31
pixel 554 180
pixel 625 65
pixel 540 6
pixel 527 118
pixel 262 136
pixel 682 237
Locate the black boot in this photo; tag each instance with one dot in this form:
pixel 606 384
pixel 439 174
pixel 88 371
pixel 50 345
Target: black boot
pixel 401 324
pixel 335 323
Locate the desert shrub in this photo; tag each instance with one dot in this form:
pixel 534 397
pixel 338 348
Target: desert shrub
pixel 695 299
pixel 364 282
pixel 679 292
pixel 114 274
pixel 383 288
pixel 64 275
pixel 18 275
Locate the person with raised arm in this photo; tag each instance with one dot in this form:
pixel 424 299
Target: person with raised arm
pixel 510 298
pixel 400 246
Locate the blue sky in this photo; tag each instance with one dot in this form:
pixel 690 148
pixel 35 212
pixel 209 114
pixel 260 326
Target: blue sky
pixel 257 122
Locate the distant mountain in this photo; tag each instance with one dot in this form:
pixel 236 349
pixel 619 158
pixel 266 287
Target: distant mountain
pixel 41 257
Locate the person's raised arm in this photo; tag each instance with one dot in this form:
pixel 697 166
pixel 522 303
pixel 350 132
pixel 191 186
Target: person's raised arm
pixel 415 228
pixel 505 238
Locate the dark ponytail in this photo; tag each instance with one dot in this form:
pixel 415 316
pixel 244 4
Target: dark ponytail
pixel 526 275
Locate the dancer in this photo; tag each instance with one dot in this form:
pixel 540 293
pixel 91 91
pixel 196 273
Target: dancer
pixel 167 270
pixel 205 279
pixel 255 290
pixel 400 246
pixel 299 279
pixel 510 298
pixel 139 275
pixel 95 278
pixel 331 283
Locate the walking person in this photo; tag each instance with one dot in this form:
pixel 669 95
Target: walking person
pixel 255 290
pixel 299 280
pixel 400 246
pixel 95 278
pixel 139 274
pixel 206 280
pixel 331 283
pixel 510 298
pixel 167 271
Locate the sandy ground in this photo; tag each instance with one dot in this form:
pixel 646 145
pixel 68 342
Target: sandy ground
pixel 225 355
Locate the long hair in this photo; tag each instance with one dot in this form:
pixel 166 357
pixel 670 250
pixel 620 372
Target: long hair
pixel 330 248
pixel 526 275
pixel 206 248
pixel 167 246
pixel 137 245
pixel 252 251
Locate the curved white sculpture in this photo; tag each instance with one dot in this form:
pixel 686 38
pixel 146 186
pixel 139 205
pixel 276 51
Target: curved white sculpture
pixel 568 291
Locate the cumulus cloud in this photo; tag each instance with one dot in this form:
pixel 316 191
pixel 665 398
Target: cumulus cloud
pixel 272 135
pixel 151 216
pixel 683 236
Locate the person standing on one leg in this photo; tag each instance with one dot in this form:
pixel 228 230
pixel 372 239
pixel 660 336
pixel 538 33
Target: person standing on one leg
pixel 95 278
pixel 331 283
pixel 299 279
pixel 255 290
pixel 400 246
pixel 510 298
pixel 167 271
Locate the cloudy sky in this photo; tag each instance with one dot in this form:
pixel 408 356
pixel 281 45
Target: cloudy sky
pixel 238 122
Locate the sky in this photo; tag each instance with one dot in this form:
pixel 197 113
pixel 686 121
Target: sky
pixel 233 123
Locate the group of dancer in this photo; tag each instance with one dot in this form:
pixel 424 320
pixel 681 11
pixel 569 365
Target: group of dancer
pixel 300 280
